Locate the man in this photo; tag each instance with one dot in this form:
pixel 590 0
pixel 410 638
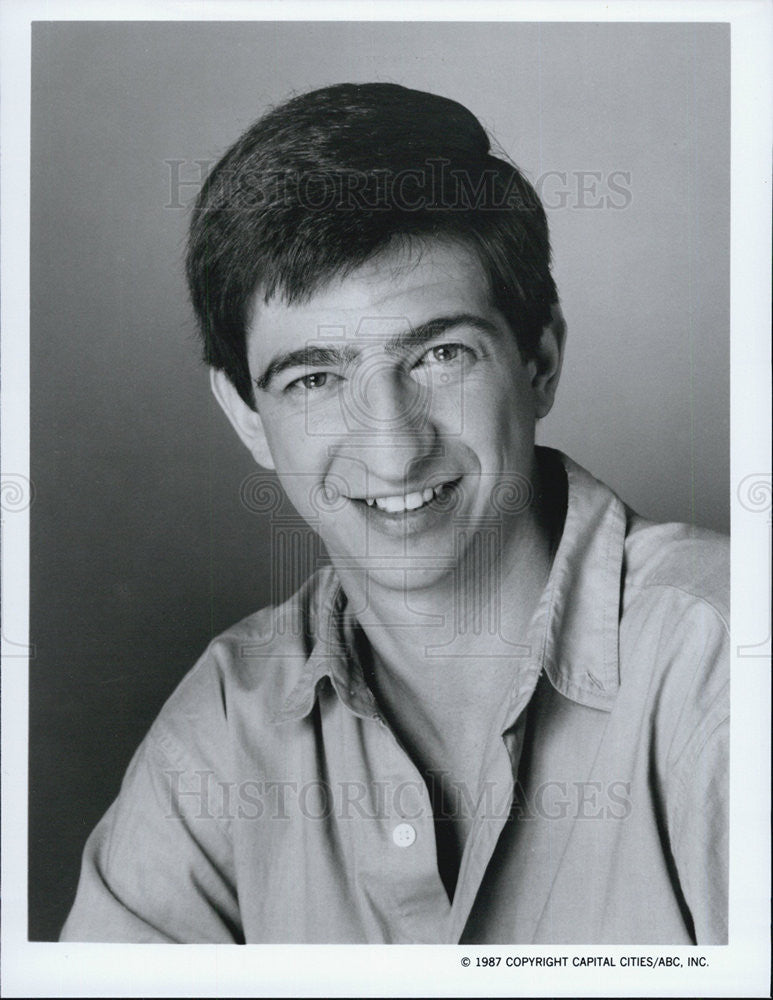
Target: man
pixel 501 714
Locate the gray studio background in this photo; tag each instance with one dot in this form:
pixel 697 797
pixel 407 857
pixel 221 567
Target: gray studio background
pixel 141 547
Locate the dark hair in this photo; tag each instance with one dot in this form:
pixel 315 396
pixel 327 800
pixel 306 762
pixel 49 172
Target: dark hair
pixel 323 182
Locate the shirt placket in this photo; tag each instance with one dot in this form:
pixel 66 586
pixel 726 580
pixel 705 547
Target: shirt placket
pixel 395 849
pixel 500 772
pixel 396 861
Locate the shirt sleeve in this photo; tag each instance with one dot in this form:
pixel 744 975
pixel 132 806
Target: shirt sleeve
pixel 159 865
pixel 698 792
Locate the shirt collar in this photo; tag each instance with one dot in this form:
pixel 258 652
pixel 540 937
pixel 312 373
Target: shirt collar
pixel 332 657
pixel 573 633
pixel 578 615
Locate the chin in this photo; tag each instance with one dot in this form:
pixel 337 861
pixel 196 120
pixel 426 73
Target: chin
pixel 407 581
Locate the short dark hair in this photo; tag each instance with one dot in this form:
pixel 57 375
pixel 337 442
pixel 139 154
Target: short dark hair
pixel 323 182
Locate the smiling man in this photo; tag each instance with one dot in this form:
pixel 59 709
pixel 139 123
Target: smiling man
pixel 500 714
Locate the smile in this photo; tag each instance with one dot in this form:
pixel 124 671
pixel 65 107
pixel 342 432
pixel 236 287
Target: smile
pixel 400 504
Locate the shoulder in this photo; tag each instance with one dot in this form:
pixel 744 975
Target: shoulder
pixel 674 637
pixel 676 565
pixel 276 639
pixel 250 667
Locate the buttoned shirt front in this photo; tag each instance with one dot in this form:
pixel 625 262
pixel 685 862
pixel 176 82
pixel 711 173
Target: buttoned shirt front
pixel 271 802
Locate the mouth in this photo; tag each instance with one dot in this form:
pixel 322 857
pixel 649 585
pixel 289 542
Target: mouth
pixel 398 505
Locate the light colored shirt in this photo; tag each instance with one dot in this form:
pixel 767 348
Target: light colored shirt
pixel 270 801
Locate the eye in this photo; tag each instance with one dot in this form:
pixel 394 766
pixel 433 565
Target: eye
pixel 311 382
pixel 314 381
pixel 446 352
pixel 453 355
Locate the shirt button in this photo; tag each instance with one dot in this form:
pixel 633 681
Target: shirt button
pixel 403 835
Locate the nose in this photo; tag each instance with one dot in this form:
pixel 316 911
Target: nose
pixel 389 426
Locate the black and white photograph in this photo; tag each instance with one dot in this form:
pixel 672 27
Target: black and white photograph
pixel 369 470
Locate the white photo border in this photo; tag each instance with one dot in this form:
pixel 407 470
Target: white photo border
pixel 738 969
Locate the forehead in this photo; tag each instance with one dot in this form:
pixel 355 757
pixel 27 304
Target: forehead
pixel 408 285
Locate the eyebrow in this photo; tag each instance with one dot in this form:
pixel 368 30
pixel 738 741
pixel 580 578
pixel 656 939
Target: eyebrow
pixel 309 357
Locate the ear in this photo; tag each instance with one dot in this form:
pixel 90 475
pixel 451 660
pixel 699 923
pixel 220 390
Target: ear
pixel 245 421
pixel 545 367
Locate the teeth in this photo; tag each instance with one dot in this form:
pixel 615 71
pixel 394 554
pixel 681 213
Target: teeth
pixel 394 504
pixel 412 501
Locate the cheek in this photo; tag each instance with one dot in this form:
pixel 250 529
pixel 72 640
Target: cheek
pixel 300 460
pixel 304 492
pixel 302 434
pixel 499 413
pixel 288 441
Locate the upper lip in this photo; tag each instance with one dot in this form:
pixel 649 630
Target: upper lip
pixel 432 484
